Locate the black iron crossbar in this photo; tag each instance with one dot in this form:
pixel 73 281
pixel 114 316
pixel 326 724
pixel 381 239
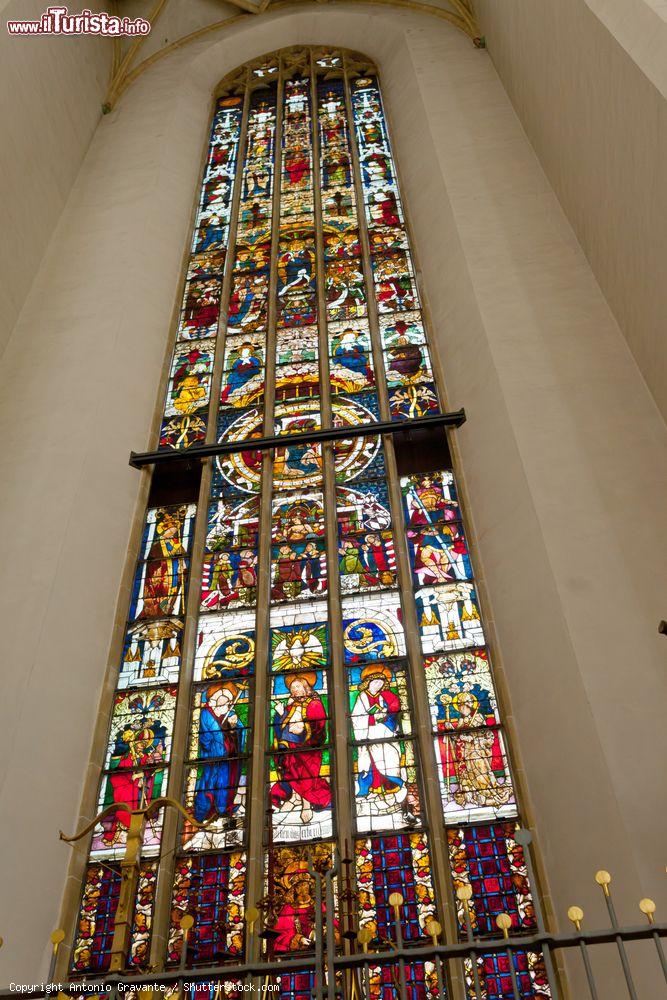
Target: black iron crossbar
pixel 139 459
pixel 426 952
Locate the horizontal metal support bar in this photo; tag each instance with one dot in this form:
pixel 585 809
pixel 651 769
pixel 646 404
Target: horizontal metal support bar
pixel 532 942
pixel 198 451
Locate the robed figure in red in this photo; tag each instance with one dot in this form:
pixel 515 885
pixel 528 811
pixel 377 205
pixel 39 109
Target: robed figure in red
pixel 299 729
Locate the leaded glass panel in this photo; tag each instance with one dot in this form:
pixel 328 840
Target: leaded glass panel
pixel 333 612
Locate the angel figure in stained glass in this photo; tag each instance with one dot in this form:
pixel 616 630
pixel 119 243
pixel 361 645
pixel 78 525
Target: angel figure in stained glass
pixel 221 736
pixel 299 728
pixel 381 774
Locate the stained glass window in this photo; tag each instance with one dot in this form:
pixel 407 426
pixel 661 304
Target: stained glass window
pixel 305 649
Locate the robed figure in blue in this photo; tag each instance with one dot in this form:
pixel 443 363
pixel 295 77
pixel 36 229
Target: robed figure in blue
pixel 223 738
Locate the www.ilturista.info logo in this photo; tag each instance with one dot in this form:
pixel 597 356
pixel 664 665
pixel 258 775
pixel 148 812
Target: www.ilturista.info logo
pixel 59 21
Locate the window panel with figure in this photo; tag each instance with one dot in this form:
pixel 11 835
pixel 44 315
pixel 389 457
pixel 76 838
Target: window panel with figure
pixel 300 792
pixel 243 376
pixel 421 982
pixel 159 588
pixel 139 746
pixel 439 554
pixel 216 790
pixel 345 290
pixel 407 363
pixel 248 302
pixel 168 531
pixel 342 245
pixel 474 773
pixel 211 888
pixel 365 539
pixel 252 256
pixel 130 789
pixel 232 524
pixel 379 702
pixel 220 723
pixel 142 724
pixel 299 708
pixel 201 308
pixel 189 386
pixel 298 570
pixel 289 902
pixel 350 357
pixel 386 785
pixel 387 240
pixel 395 286
pixel 229 579
pixel 429 498
pixel 296 262
pixel 461 692
pixel 298 557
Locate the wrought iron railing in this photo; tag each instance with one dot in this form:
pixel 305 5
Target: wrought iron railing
pixel 381 969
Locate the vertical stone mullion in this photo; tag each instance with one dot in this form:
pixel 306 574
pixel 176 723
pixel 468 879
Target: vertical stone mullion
pixel 170 831
pixel 256 819
pixel 183 720
pixel 216 377
pixel 338 722
pixel 420 709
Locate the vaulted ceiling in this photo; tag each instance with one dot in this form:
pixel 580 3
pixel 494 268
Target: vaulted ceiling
pixel 178 22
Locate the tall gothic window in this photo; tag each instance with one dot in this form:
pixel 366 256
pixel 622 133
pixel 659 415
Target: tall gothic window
pixel 304 665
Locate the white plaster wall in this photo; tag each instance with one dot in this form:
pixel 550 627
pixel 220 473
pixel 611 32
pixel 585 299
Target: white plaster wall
pixel 52 95
pixel 564 453
pixel 588 79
